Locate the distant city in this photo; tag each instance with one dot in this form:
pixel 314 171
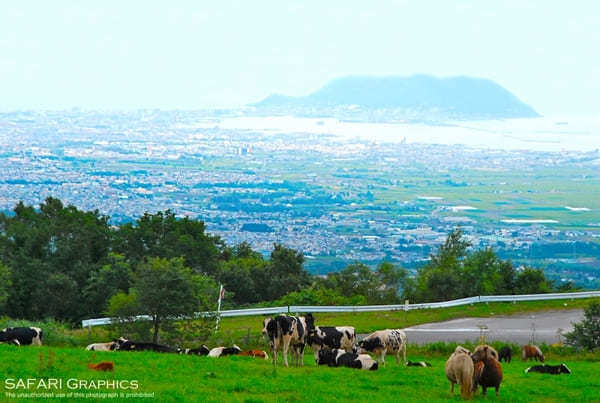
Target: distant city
pixel 337 199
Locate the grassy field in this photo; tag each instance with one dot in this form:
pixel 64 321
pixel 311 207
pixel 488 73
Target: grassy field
pixel 174 378
pixel 366 322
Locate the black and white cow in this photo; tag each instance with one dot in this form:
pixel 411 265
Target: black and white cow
pixel 340 358
pixel 549 369
pixel 418 364
pixel 284 331
pixel 391 341
pixel 202 350
pixel 24 335
pixel 328 337
pixel 223 351
pixel 128 345
pixel 110 346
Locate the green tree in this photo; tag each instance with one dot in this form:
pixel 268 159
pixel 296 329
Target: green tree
pixel 285 273
pixel 243 278
pixel 163 235
pixel 394 283
pixel 355 279
pixel 5 285
pixel 319 295
pixel 384 285
pixel 108 280
pixel 586 334
pixel 483 273
pixel 48 249
pixel 123 308
pixel 167 290
pixel 441 279
pixel 452 250
pixel 532 281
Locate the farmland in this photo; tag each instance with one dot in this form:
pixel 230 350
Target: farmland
pixel 336 198
pixel 172 378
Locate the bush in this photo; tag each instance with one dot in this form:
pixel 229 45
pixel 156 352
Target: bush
pixel 586 334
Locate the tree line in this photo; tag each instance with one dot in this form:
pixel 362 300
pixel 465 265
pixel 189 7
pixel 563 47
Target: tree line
pixel 60 262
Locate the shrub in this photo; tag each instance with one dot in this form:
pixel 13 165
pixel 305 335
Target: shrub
pixel 586 334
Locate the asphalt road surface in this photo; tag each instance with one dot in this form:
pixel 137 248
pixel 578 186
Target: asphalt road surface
pixel 515 328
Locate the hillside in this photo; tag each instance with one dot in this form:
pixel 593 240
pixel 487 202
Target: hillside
pixel 414 97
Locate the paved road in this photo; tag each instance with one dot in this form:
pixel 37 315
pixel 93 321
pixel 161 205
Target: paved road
pixel 516 328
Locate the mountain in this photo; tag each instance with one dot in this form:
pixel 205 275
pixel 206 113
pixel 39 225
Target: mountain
pixel 419 96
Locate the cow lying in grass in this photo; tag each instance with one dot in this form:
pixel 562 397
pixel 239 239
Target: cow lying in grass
pixel 102 366
pixel 202 350
pixel 25 336
pixel 549 369
pixel 128 345
pixel 418 364
pixel 255 353
pixel 110 346
pixel 340 358
pixel 223 351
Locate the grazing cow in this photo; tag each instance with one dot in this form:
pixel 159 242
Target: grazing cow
pixel 549 369
pixel 491 375
pixel 491 350
pixel 505 354
pixel 255 353
pixel 418 364
pixel 102 366
pixel 24 335
pixel 283 331
pixel 223 351
pixel 459 370
pixel 531 351
pixel 110 346
pixel 341 358
pixel 202 350
pixel 391 341
pixel 128 345
pixel 328 337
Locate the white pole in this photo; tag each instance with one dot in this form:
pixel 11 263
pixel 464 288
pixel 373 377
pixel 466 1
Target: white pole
pixel 219 308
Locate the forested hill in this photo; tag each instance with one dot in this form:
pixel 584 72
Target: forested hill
pixel 415 96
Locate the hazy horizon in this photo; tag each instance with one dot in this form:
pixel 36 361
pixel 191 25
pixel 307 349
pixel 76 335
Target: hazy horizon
pixel 145 55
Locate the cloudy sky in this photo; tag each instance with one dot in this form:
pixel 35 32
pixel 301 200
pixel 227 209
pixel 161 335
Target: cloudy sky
pixel 197 54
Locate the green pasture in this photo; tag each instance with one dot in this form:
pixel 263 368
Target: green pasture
pixel 175 378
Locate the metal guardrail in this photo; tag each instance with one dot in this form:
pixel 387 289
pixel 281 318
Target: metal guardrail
pixel 373 308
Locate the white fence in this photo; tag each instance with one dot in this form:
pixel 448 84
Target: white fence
pixel 371 308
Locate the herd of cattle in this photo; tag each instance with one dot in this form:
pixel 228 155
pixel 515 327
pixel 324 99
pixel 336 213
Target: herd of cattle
pixel 331 345
pixel 334 346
